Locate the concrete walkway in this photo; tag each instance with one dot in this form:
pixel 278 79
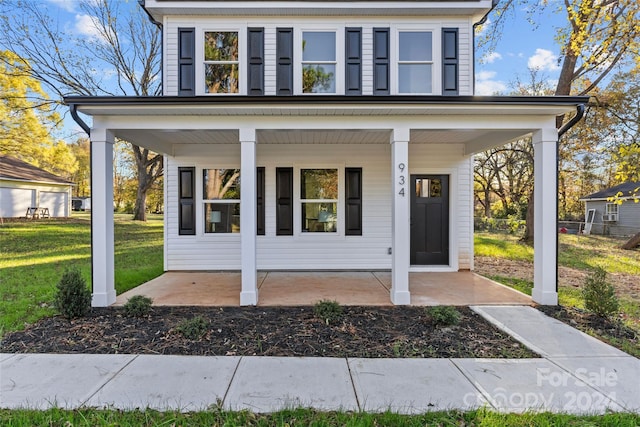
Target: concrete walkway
pixel 577 374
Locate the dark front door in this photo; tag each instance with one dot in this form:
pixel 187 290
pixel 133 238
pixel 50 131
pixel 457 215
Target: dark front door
pixel 429 220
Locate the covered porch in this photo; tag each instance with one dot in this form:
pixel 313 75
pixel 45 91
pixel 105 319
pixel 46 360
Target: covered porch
pixel 286 288
pixel 412 136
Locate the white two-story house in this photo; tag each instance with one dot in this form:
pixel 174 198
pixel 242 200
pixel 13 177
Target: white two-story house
pixel 320 135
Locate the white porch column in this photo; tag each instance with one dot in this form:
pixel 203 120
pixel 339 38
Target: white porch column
pixel 102 265
pixel 545 212
pixel 400 217
pixel 248 217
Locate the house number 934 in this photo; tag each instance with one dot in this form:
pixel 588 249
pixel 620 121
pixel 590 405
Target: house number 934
pixel 401 179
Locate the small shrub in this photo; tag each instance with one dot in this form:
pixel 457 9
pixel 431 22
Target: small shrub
pixel 193 328
pixel 72 298
pixel 444 315
pixel 138 306
pixel 599 295
pixel 328 311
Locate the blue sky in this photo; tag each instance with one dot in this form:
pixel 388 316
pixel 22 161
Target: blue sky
pixel 522 46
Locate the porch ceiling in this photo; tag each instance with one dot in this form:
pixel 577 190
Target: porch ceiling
pixel 474 140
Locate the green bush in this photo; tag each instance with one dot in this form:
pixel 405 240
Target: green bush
pixel 443 315
pixel 599 295
pixel 138 306
pixel 72 298
pixel 193 328
pixel 328 311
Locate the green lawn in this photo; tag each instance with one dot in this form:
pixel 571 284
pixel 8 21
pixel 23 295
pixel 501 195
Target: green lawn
pixel 34 254
pixel 578 252
pixel 303 417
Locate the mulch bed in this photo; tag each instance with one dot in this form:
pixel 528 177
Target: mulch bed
pixel 589 322
pixel 270 331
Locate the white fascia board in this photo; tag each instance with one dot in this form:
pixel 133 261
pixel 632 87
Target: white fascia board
pixel 607 199
pixel 30 181
pixel 476 9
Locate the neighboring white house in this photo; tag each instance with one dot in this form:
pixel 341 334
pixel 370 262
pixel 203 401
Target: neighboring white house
pixel 24 186
pixel 604 216
pixel 316 135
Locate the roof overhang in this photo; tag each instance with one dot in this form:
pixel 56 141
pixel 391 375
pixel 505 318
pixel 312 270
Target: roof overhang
pixel 160 123
pixel 159 8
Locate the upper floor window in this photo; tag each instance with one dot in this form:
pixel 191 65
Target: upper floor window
pixel 319 62
pixel 221 62
pixel 415 62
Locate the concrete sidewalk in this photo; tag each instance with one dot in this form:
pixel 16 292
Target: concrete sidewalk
pixel 577 374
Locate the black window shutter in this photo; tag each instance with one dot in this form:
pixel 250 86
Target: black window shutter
pixel 186 201
pixel 260 201
pixel 186 61
pixel 450 61
pixel 381 61
pixel 255 81
pixel 353 61
pixel 353 202
pixel 284 62
pixel 284 201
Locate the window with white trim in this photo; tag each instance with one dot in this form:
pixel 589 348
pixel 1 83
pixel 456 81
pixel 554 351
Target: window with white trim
pixel 221 62
pixel 319 62
pixel 319 200
pixel 415 72
pixel 610 212
pixel 221 200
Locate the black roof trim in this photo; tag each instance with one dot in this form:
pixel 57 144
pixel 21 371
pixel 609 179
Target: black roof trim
pixel 324 99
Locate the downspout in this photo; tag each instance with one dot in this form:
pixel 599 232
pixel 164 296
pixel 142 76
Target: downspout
pixel 494 3
pixel 580 108
pixel 73 109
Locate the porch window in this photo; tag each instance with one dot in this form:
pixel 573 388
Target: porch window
pixel 319 200
pixel 221 62
pixel 221 200
pixel 319 61
pixel 415 62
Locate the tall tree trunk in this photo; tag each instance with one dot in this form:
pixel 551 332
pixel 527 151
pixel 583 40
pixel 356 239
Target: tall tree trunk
pixel 487 203
pixel 148 168
pixel 528 229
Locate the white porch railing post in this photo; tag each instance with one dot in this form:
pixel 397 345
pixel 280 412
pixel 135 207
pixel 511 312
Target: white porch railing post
pixel 102 249
pixel 400 217
pixel 545 215
pixel 248 216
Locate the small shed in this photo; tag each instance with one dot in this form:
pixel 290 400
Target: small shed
pixel 604 216
pixel 24 186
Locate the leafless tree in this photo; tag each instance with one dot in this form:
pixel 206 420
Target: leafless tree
pixel 120 55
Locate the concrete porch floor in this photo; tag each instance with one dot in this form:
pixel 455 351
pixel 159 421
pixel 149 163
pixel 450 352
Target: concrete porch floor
pixel 306 288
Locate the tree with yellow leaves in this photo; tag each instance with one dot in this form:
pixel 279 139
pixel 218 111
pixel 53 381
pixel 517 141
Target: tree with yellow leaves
pixel 598 36
pixel 26 120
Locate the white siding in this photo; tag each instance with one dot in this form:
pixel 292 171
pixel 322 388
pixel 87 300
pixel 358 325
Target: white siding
pixel 306 250
pixel 449 159
pixel 172 23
